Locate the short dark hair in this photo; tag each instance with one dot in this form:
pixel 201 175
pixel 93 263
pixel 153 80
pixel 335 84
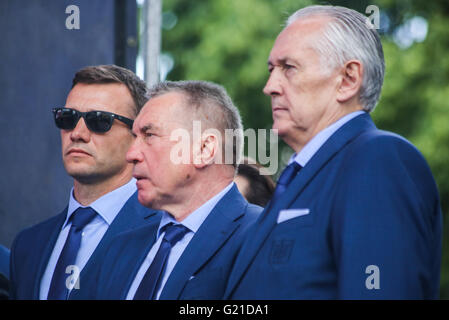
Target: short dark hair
pixel 114 74
pixel 260 187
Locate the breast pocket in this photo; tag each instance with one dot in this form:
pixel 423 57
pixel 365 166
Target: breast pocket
pixel 295 218
pixel 289 235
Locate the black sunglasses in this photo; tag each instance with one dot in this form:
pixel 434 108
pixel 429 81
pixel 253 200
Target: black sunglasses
pixel 96 121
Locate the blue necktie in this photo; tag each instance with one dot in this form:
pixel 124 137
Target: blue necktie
pixel 284 180
pixel 286 177
pixel 151 281
pixel 80 218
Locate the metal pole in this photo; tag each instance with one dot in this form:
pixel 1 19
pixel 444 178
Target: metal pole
pixel 152 10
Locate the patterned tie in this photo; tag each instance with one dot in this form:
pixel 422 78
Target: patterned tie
pixel 58 287
pixel 151 281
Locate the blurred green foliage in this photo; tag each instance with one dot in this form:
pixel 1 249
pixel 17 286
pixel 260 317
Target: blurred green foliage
pixel 228 42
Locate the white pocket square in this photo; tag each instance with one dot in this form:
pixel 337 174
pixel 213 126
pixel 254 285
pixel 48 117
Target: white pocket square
pixel 288 214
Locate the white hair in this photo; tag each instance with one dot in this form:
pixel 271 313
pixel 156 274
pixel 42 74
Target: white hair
pixel 349 35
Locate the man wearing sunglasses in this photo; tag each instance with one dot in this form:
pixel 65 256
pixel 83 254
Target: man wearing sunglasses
pixel 56 258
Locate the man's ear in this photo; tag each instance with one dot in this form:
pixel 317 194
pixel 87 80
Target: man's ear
pixel 208 151
pixel 351 81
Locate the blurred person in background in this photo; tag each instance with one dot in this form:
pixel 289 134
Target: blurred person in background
pixel 254 185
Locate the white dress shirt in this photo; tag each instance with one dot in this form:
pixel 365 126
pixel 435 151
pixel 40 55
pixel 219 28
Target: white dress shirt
pixel 320 138
pixel 107 207
pixel 192 222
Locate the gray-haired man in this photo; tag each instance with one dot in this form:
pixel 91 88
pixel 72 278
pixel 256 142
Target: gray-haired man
pixel 188 254
pixel 356 213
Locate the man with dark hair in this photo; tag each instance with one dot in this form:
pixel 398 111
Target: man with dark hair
pixel 105 74
pixel 356 213
pixel 181 169
pixel 56 259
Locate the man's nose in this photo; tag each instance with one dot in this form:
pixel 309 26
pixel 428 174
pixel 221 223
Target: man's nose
pixel 273 85
pixel 134 155
pixel 80 132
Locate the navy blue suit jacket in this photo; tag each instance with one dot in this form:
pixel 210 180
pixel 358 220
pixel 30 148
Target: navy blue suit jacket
pixel 373 229
pixel 32 248
pixel 4 261
pixel 201 271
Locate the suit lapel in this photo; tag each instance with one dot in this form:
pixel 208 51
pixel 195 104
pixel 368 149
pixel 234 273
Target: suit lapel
pixel 44 248
pixel 210 237
pixel 259 233
pixel 325 154
pixel 137 245
pixel 132 215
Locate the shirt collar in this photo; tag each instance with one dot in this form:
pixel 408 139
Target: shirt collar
pixel 319 139
pixel 194 220
pixel 108 205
